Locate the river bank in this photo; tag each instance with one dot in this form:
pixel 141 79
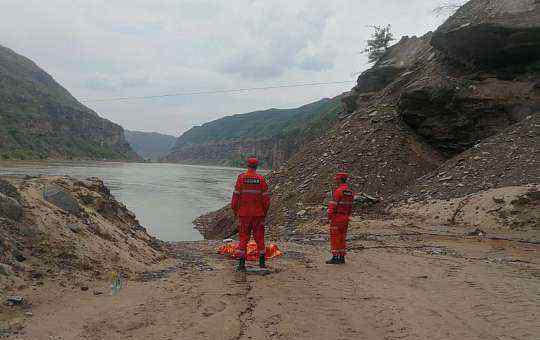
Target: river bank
pixel 406 277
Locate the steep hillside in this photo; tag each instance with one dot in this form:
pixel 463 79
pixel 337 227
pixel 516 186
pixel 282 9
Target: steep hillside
pixel 271 135
pixel 424 123
pixel 39 119
pixel 150 145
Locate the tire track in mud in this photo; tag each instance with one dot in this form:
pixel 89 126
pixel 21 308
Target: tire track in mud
pixel 506 308
pixel 245 317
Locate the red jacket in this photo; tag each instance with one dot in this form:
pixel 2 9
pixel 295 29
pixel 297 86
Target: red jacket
pixel 340 208
pixel 250 197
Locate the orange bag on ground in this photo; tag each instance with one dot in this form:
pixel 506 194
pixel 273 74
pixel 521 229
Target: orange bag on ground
pixel 231 249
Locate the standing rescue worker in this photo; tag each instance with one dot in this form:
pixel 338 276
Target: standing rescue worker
pixel 339 212
pixel 250 202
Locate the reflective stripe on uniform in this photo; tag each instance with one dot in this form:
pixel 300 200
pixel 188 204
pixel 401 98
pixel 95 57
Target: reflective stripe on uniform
pixel 248 191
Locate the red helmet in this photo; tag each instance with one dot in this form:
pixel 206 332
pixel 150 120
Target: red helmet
pixel 252 161
pixel 341 176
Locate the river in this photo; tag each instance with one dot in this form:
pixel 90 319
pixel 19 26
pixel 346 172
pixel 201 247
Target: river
pixel 165 197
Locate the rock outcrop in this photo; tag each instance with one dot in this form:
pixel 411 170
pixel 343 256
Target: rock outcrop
pixel 457 115
pixel 40 119
pixel 490 33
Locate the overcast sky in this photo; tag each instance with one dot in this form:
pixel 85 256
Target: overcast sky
pixel 115 48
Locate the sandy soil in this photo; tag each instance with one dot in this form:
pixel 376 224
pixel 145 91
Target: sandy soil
pixel 398 284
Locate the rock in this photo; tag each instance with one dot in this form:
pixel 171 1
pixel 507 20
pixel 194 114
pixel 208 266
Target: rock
pixel 15 300
pixel 62 199
pixel 476 232
pixel 97 292
pixel 9 190
pixel 394 63
pixel 18 256
pixel 453 121
pixel 499 200
pixel 74 227
pixel 84 288
pixel 491 33
pixel 10 208
pixel 301 213
pixel 364 199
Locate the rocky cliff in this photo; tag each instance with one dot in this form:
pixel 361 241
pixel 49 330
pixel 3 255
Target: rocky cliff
pixel 39 119
pixel 434 118
pixel 271 135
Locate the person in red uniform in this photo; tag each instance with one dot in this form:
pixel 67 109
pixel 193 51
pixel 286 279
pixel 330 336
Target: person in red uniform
pixel 339 212
pixel 250 202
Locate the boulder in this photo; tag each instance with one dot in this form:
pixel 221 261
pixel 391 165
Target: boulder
pixel 492 33
pixel 10 208
pixel 61 198
pixel 9 190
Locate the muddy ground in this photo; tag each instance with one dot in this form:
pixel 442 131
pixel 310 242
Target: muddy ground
pixel 399 283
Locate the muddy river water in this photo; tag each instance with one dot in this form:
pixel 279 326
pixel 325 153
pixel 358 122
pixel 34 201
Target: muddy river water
pixel 165 197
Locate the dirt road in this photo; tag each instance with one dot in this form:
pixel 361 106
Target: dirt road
pixel 396 285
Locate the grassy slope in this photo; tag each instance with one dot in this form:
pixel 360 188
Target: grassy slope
pixel 305 120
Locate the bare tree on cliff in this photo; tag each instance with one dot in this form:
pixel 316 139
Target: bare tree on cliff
pixel 449 7
pixel 379 42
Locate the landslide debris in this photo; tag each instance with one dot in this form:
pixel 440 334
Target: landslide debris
pixel 84 231
pixel 433 119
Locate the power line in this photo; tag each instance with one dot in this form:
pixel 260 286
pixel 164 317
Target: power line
pixel 192 93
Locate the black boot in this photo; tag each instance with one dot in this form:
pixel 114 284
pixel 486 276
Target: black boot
pixel 241 265
pixel 333 260
pixel 262 261
pixel 342 259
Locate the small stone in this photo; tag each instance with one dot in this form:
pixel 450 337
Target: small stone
pixel 476 232
pixel 15 300
pixel 74 227
pixel 10 208
pixel 84 288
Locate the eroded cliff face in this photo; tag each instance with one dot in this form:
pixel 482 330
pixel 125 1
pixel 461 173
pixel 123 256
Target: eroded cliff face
pixel 272 152
pixel 39 119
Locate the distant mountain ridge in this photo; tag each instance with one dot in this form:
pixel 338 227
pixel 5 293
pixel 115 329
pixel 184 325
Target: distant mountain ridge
pixel 272 135
pixel 150 145
pixel 39 119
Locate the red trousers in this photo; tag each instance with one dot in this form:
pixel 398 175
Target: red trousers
pixel 245 228
pixel 338 236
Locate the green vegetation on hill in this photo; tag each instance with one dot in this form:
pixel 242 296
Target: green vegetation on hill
pixel 39 119
pixel 306 120
pixel 271 135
